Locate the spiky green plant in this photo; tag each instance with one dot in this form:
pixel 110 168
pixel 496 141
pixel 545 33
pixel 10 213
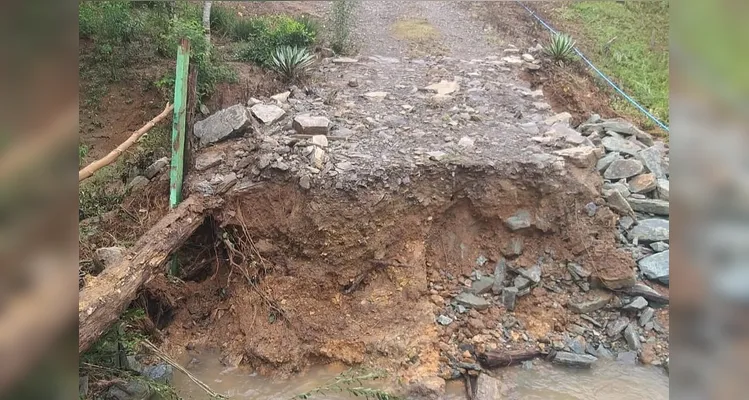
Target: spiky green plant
pixel 561 47
pixel 292 62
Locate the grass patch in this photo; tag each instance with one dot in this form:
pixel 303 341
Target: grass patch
pixel 414 30
pixel 630 44
pixel 262 36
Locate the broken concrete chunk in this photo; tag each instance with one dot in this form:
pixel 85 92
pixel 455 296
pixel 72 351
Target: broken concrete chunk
pixel 267 113
pixel 230 122
pixel 208 159
pixel 443 87
pixel 309 125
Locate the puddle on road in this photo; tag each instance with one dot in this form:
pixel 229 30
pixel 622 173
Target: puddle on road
pixel 607 380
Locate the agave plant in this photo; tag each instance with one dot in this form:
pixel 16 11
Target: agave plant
pixel 561 47
pixel 292 62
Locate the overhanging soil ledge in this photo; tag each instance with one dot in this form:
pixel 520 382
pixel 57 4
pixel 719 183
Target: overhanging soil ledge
pixel 357 275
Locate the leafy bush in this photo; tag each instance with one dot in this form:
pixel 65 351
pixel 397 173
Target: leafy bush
pixel 210 72
pixel 292 62
pixel 342 19
pixel 112 27
pixel 223 20
pixel 263 35
pixel 561 47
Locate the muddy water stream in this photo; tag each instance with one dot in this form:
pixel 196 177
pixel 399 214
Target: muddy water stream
pixel 607 380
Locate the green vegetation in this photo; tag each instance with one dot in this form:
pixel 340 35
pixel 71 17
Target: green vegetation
pixel 342 20
pixel 292 62
pixel 630 44
pixel 261 37
pixel 351 382
pixel 561 47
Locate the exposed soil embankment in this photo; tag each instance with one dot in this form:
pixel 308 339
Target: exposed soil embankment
pixel 353 276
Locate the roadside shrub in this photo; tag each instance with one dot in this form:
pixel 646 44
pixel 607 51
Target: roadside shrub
pixel 112 27
pixel 561 47
pixel 292 62
pixel 223 20
pixel 263 35
pixel 341 21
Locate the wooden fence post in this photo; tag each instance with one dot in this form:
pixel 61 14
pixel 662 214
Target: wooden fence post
pixel 178 123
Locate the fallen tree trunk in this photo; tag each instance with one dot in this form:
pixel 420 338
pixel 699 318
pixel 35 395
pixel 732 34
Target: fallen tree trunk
pixel 106 296
pixel 496 359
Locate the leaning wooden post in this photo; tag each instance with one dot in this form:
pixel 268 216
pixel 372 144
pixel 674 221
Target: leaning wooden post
pixel 178 123
pixel 178 131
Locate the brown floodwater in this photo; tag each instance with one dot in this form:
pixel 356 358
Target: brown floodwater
pixel 606 380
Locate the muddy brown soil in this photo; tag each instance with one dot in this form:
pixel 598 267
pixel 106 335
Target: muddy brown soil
pixel 310 247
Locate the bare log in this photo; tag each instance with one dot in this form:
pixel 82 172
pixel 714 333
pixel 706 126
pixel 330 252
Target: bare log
pixel 496 359
pixel 89 170
pixel 106 296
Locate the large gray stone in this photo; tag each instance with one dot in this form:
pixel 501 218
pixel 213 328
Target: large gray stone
pixel 647 292
pixel 621 126
pixel 444 320
pixel 632 337
pixel 227 123
pixel 522 219
pixel 574 360
pixel 161 373
pixel 583 156
pixel 650 206
pixel 310 125
pixel 488 388
pixel 615 328
pixel 483 285
pixel 132 390
pixel 156 167
pixel 646 316
pixel 208 159
pixel 509 296
pixel 637 304
pixel 521 282
pixel 618 203
pixel 620 169
pixel 428 388
pixel 514 247
pixel 604 162
pixel 643 183
pixel 470 300
pixel 138 183
pixel 659 246
pixel 107 256
pixel 531 273
pixel 620 145
pixel 656 267
pixel 500 271
pixel 443 87
pixel 594 300
pixel 650 230
pixel 652 159
pixel 267 113
pixel 618 186
pixel 662 187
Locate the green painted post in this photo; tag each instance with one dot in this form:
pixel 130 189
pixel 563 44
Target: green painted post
pixel 178 123
pixel 178 131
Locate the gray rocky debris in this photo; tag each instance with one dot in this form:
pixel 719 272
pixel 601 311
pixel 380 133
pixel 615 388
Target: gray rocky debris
pixel 488 388
pixel 520 220
pixel 470 300
pixel 574 360
pixel 227 123
pixel 646 316
pixel 593 301
pixel 107 256
pixel 627 357
pixel 509 295
pixel 444 320
pixel 650 206
pixel 482 285
pixel 662 186
pixel 621 169
pixel 500 271
pixel 643 183
pixel 620 145
pixel 311 125
pixel 443 87
pixel 650 230
pixel 647 292
pixel 267 113
pixel 155 168
pixel 281 97
pixel 138 183
pixel 656 267
pixel 208 159
pixel 652 159
pixel 618 186
pixel 606 160
pixel 533 273
pixel 618 203
pixel 615 328
pixel 583 156
pixel 659 246
pixel 638 303
pixel 514 247
pixel 632 337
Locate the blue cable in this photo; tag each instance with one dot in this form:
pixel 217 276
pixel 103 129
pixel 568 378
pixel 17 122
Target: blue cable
pixel 631 100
